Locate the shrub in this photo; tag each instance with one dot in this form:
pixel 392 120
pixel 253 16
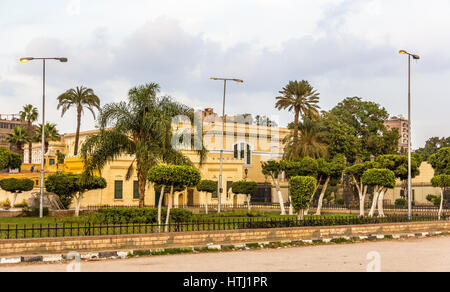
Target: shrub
pixel 400 202
pixel 131 216
pixel 340 201
pixel 6 204
pixel 33 212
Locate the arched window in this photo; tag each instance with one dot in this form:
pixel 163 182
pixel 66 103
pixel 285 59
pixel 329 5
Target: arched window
pixel 243 151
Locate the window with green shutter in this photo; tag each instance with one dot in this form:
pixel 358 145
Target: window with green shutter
pixel 118 190
pixel 236 151
pixel 249 155
pixel 136 190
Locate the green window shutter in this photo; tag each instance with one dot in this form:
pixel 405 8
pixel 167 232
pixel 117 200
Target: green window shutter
pixel 249 155
pixel 242 151
pixel 136 190
pixel 236 151
pixel 118 190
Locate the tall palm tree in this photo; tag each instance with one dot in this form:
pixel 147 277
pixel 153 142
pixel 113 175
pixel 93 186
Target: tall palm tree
pixel 310 143
pixel 80 98
pixel 18 138
pixel 51 134
pixel 141 127
pixel 301 98
pixel 30 115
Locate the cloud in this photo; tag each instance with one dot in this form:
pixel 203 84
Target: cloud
pixel 338 59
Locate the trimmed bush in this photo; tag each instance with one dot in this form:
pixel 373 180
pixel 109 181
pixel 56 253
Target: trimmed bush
pixel 14 185
pixel 400 202
pixel 302 190
pixel 131 216
pixel 207 186
pixel 33 212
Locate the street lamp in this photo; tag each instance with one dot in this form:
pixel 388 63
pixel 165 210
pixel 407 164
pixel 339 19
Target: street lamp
pixel 26 60
pixel 415 57
pixel 223 133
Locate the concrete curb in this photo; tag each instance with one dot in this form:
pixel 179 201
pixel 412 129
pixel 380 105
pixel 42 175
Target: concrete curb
pixel 210 247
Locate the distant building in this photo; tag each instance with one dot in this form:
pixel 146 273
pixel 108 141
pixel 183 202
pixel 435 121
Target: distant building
pixel 7 125
pixel 402 125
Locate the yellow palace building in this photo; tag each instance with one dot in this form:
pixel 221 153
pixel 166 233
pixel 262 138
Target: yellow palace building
pixel 245 147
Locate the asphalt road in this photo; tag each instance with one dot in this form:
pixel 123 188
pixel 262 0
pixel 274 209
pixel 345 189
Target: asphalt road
pixel 412 255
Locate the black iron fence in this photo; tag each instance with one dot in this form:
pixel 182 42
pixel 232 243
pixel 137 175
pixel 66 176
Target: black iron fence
pixel 89 229
pixel 389 208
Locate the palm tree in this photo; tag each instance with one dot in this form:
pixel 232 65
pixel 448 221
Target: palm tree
pixel 29 114
pixel 18 138
pixel 301 98
pixel 80 98
pixel 310 143
pixel 141 127
pixel 51 134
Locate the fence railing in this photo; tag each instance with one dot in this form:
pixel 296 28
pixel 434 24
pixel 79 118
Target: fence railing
pixel 276 206
pixel 89 229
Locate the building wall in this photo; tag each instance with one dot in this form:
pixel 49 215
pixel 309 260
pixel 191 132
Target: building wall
pixel 401 124
pixel 7 124
pixel 421 186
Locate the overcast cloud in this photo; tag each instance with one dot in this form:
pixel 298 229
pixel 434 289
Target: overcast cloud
pixel 345 48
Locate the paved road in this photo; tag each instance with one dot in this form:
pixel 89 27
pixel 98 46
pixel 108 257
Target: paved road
pixel 430 254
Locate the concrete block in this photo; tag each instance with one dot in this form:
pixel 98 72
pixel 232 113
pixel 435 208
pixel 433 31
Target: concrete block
pixel 10 260
pixel 53 258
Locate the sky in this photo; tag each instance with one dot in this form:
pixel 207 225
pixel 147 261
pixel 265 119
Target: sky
pixel 345 48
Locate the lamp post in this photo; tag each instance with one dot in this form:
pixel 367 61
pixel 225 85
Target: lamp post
pixel 26 60
pixel 415 57
pixel 225 80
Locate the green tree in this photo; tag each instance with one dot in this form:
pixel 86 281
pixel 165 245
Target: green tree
pixel 16 186
pixel 30 115
pixel 381 180
pixel 264 121
pixel 356 128
pixel 19 137
pixel 50 132
pixel 5 156
pixel 432 146
pixel 441 181
pixel 302 190
pixel 73 186
pixel 173 176
pixel 441 161
pixel 329 173
pixel 302 99
pixel 356 173
pixel 141 127
pixel 399 165
pixel 207 187
pixel 9 159
pixel 300 167
pixel 248 188
pixel 273 169
pixel 80 98
pixel 310 141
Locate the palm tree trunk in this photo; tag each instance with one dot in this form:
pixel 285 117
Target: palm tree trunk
pixel 77 135
pixel 30 144
pixel 295 138
pixel 142 183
